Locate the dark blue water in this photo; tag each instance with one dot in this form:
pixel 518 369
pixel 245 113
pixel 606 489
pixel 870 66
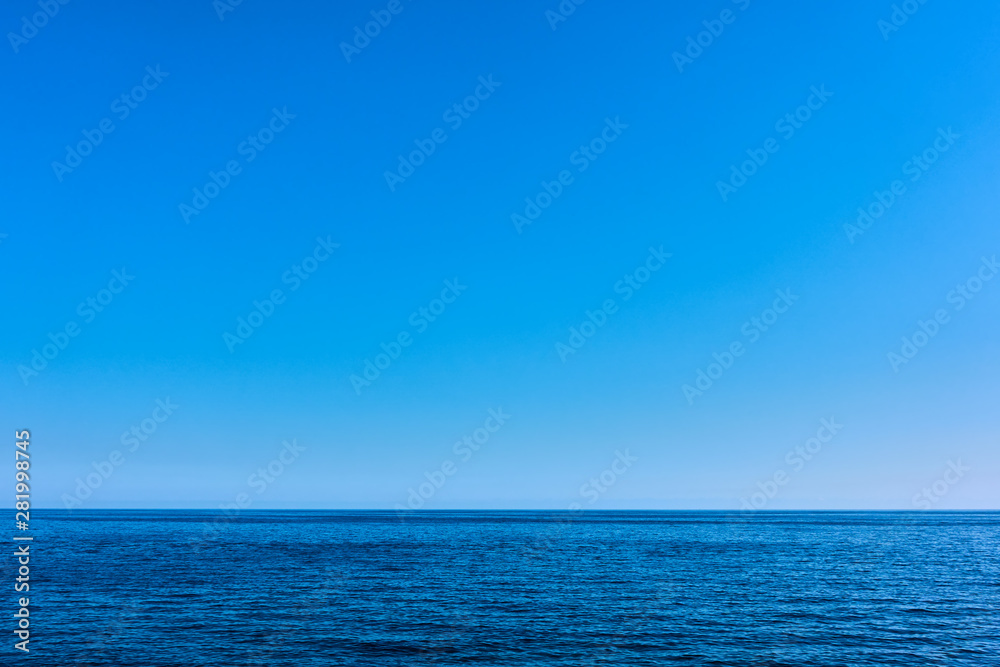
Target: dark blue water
pixel 507 589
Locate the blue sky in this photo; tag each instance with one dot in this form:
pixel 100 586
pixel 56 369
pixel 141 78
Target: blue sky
pixel 548 98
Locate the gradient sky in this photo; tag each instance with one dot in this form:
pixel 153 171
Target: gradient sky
pixel 495 346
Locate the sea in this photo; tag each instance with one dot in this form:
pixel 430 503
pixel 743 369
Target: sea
pixel 505 589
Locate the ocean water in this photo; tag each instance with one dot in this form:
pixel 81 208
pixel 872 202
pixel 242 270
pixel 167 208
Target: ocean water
pixel 512 588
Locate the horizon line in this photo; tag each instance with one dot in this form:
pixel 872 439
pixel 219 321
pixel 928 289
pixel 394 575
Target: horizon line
pixel 500 509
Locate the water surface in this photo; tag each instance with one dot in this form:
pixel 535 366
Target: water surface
pixel 514 588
